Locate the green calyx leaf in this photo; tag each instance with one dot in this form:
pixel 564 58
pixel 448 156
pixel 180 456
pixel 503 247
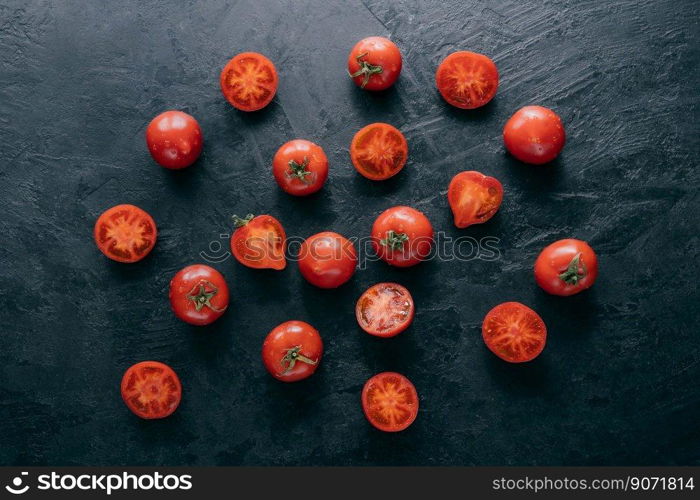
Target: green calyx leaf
pixel 238 222
pixel 202 293
pixel 575 271
pixel 393 240
pixel 299 169
pixel 366 69
pixel 292 356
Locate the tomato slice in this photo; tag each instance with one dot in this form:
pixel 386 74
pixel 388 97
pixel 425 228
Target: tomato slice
pixel 385 310
pixel 467 80
pixel 390 402
pixel 125 233
pixel 151 389
pixel 379 151
pixel 474 198
pixel 259 242
pixel 249 81
pixel 514 332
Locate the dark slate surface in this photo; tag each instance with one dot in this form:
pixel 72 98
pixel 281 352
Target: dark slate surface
pixel 618 381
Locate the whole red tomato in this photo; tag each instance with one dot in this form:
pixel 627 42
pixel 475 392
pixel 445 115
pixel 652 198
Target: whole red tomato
pixel 174 139
pixel 374 63
pixel 566 267
pixel 327 259
pixel 292 351
pixel 198 294
pixel 402 236
pixel 534 134
pixel 474 198
pixel 300 167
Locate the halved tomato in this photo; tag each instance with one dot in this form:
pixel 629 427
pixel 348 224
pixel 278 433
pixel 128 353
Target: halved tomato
pixel 385 310
pixel 151 389
pixel 474 198
pixel 514 332
pixel 379 151
pixel 249 81
pixel 259 242
pixel 390 402
pixel 125 233
pixel 467 80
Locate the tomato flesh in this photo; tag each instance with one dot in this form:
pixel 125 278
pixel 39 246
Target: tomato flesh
pixel 379 151
pixel 514 332
pixel 260 243
pixel 125 233
pixel 385 310
pixel 151 389
pixel 474 198
pixel 249 81
pixel 467 80
pixel 390 402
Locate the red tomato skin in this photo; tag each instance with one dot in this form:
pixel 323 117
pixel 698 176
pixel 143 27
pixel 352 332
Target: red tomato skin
pixel 366 406
pixel 475 209
pixel 169 371
pixel 554 260
pixel 298 150
pixel 327 259
pixel 396 330
pixel 270 87
pixel 534 134
pixel 251 229
pixel 496 311
pixel 136 212
pixel 174 139
pixel 186 283
pixel 287 336
pixel 414 224
pixel 380 52
pixel 479 65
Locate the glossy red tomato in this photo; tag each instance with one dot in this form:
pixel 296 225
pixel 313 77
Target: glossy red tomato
pixel 259 242
pixel 151 389
pixel 374 63
pixel 327 259
pixel 379 151
pixel 125 233
pixel 390 402
pixel 474 198
pixel 534 135
pixel 514 332
pixel 402 236
pixel 300 167
pixel 174 139
pixel 249 81
pixel 198 294
pixel 385 310
pixel 292 351
pixel 566 267
pixel 467 80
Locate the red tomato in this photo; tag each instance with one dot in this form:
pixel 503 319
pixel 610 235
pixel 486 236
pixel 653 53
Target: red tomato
pixel 327 259
pixel 151 389
pixel 249 81
pixel 198 294
pixel 566 267
pixel 174 139
pixel 300 167
pixel 379 151
pixel 534 135
pixel 374 63
pixel 467 80
pixel 259 242
pixel 125 233
pixel 292 351
pixel 514 332
pixel 402 236
pixel 474 198
pixel 385 310
pixel 390 402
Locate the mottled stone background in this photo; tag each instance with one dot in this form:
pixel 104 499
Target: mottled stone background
pixel 618 380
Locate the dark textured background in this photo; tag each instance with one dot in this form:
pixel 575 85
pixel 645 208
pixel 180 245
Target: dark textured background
pixel 618 381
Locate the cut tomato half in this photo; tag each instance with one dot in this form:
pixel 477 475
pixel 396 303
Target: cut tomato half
pixel 385 310
pixel 514 332
pixel 259 242
pixel 249 81
pixel 390 402
pixel 467 80
pixel 379 151
pixel 125 233
pixel 151 389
